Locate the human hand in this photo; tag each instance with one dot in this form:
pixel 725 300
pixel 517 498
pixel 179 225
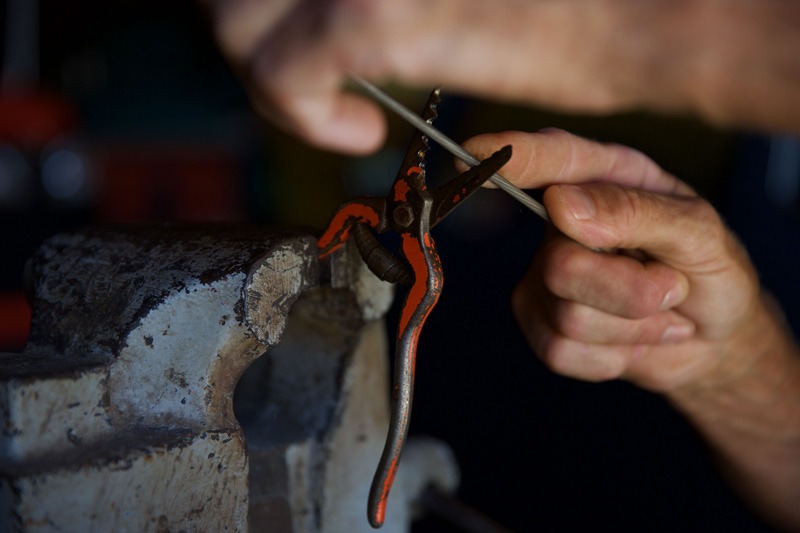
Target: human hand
pixel 677 310
pixel 678 305
pixel 698 57
pixel 294 55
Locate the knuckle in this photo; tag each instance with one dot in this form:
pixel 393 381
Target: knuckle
pixel 624 210
pixel 645 300
pixel 650 332
pixel 522 303
pixel 557 355
pixel 608 369
pixel 569 319
pixel 560 266
pixel 629 211
pixel 647 331
pixel 526 295
pixel 581 361
pixel 539 338
pixel 235 45
pixel 606 363
pixel 701 213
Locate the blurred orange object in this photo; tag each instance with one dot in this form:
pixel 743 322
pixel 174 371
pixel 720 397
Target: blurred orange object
pixel 31 119
pixel 144 182
pixel 15 321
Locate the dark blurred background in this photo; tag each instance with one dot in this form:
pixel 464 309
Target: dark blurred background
pixel 125 112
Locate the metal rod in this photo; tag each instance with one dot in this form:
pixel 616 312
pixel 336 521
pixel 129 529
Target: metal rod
pixel 448 144
pixel 457 513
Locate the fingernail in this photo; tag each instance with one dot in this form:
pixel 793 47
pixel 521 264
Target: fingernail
pixel 666 301
pixel 669 299
pixel 676 333
pixel 578 201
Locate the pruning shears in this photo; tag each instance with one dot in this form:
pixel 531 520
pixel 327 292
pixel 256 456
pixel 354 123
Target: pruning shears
pixel 410 209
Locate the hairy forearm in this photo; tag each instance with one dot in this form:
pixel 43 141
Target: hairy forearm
pixel 749 412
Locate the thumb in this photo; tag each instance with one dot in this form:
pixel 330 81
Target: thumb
pixel 682 231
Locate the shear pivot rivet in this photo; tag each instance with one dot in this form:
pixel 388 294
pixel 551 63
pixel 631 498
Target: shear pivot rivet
pixel 403 216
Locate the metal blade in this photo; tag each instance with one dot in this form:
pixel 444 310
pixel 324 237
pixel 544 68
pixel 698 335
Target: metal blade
pixel 448 144
pixel 418 146
pixel 448 196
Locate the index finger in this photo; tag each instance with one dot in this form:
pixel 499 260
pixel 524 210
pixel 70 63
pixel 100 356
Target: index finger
pixel 554 156
pixel 294 67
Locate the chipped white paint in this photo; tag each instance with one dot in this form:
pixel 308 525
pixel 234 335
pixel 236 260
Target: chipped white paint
pixel 275 284
pixel 160 489
pixel 336 431
pixel 374 296
pixel 145 439
pixel 162 375
pixel 54 412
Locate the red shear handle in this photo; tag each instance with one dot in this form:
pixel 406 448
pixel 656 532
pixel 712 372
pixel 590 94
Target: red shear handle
pixel 420 301
pixel 339 227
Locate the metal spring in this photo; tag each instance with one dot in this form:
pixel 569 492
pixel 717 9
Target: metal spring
pixel 380 261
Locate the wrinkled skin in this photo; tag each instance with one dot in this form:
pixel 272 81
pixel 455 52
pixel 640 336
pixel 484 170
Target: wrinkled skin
pixel 731 61
pixel 673 305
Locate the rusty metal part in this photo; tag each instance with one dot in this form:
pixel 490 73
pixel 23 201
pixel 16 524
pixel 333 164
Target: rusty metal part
pixel 380 260
pixel 410 210
pixel 443 504
pixel 120 413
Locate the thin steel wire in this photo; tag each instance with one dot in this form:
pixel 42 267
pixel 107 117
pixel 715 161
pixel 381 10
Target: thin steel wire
pixel 448 144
